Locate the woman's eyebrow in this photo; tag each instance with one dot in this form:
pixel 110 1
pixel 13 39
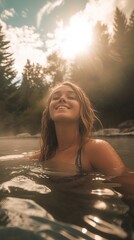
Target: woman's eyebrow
pixel 71 91
pixel 56 92
pixel 59 92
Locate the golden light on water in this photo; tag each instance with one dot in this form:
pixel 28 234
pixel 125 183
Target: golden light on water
pixel 84 230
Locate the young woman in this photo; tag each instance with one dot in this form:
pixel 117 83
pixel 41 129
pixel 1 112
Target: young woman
pixel 67 145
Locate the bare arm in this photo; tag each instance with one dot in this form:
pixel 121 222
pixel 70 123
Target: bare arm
pixel 35 155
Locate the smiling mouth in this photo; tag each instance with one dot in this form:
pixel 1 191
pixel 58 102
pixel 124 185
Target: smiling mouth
pixel 62 107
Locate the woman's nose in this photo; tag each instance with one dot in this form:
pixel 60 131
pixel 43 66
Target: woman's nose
pixel 62 98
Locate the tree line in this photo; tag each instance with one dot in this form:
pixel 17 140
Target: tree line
pixel 105 72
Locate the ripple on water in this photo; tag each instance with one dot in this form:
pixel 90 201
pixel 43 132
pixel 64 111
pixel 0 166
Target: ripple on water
pixel 29 221
pixel 94 200
pixel 23 183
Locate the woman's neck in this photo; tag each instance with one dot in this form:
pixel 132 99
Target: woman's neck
pixel 67 136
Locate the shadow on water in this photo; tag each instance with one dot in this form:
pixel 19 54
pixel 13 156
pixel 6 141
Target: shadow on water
pixel 91 207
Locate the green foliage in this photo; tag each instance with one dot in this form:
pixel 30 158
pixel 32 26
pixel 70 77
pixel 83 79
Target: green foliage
pixel 7 73
pixel 120 33
pixel 56 69
pixel 8 87
pixel 33 85
pixel 130 39
pixel 105 72
pixel 32 91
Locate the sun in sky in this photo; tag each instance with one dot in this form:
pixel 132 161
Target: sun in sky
pixel 58 25
pixel 73 39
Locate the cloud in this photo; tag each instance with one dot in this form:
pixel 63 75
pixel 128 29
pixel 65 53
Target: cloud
pixel 103 10
pixel 7 13
pixel 25 43
pixel 95 10
pixel 3 24
pixel 24 13
pixel 47 9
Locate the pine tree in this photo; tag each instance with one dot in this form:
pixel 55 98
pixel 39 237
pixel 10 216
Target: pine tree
pixel 131 23
pixel 123 45
pixel 130 39
pixel 101 37
pixel 7 72
pixel 32 90
pixel 56 69
pixel 120 33
pixel 33 85
pixel 8 86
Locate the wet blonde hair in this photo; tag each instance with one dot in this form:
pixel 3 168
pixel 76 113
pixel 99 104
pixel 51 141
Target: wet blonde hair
pixel 48 134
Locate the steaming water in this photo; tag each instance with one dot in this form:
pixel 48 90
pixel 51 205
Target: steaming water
pixel 33 207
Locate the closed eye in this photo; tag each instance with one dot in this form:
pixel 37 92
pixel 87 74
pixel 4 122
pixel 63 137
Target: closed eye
pixel 69 95
pixel 72 96
pixel 56 96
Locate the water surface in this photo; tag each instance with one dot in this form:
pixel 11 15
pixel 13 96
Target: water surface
pixel 92 207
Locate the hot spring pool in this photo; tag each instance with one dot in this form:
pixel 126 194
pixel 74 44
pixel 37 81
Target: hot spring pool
pixel 93 207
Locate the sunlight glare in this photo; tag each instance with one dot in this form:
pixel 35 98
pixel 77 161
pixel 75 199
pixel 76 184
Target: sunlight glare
pixel 75 38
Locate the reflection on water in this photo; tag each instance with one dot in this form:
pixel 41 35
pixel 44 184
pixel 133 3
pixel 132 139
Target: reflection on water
pixel 104 226
pixel 34 207
pixel 35 222
pixel 104 192
pixel 18 146
pixel 24 183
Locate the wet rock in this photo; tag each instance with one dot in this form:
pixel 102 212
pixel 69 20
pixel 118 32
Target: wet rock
pixel 126 126
pixel 23 135
pixel 124 129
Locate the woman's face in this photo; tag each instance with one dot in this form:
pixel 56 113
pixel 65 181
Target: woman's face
pixel 64 105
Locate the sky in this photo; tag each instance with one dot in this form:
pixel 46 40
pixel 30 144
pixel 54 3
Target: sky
pixel 35 28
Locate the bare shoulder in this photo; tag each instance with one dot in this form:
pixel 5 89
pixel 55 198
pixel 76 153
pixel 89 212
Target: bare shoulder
pixel 97 144
pixel 104 157
pixel 98 148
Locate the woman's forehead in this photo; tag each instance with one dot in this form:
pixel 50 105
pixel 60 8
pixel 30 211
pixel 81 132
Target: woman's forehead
pixel 63 88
